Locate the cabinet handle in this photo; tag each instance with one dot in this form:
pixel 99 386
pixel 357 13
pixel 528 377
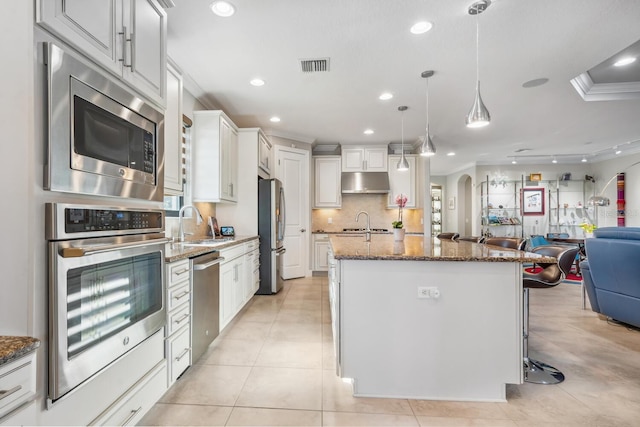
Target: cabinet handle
pixel 182 295
pixel 130 417
pixel 181 272
pixel 124 46
pixel 182 319
pixel 184 353
pixel 7 393
pixel 132 48
pixel 231 185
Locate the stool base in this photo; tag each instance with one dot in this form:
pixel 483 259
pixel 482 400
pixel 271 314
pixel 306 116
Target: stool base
pixel 540 373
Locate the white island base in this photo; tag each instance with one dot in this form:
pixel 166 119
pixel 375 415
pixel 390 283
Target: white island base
pixel 465 344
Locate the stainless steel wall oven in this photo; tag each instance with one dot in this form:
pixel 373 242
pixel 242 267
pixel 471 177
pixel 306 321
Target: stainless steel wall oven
pixel 106 274
pixel 102 138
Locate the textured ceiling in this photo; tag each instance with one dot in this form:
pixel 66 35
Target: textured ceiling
pixel 371 50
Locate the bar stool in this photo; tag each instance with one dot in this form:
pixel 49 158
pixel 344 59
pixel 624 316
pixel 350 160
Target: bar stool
pixel 448 236
pixel 506 242
pixel 551 275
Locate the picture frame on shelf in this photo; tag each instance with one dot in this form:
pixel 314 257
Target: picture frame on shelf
pixel 532 201
pixel 535 177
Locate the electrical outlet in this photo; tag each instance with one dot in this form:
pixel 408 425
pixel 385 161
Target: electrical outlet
pixel 329 220
pixel 428 292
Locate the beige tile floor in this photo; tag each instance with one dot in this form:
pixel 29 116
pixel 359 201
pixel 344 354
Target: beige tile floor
pixel 273 366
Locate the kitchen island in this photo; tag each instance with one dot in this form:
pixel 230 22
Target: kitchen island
pixel 442 322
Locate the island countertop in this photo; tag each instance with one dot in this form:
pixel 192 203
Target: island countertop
pixel 383 247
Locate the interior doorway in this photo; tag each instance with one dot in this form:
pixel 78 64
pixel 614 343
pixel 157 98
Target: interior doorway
pixel 465 206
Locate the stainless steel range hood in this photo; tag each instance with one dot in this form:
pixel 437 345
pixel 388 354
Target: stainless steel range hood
pixel 365 182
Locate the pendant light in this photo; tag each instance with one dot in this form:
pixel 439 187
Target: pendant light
pixel 479 115
pixel 403 164
pixel 427 148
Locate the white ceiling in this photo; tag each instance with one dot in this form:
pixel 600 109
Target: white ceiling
pixel 371 50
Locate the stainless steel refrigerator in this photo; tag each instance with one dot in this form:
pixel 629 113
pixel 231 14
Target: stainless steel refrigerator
pixel 271 222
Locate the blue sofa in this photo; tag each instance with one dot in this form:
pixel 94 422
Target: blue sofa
pixel 611 273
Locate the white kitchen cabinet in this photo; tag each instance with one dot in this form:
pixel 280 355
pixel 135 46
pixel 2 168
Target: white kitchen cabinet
pixel 178 328
pixel 327 182
pixel 173 133
pixel 403 182
pixel 215 157
pixel 264 154
pixel 239 278
pixel 320 252
pixel 18 382
pixel 364 159
pixel 334 305
pixel 127 37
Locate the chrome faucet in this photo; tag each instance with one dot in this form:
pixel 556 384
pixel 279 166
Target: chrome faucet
pixel 180 217
pixel 367 231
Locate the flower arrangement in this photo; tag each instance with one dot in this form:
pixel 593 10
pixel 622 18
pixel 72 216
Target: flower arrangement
pixel 588 228
pixel 401 201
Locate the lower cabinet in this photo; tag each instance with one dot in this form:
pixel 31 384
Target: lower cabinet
pixel 239 279
pixel 18 391
pixel 178 328
pixel 131 407
pixel 320 252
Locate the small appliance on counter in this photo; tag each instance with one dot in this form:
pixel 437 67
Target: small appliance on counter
pixel 227 231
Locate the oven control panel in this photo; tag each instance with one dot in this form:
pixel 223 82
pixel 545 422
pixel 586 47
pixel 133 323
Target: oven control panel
pixel 80 220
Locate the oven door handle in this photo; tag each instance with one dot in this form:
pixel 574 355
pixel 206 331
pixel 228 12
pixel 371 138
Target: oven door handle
pixel 75 252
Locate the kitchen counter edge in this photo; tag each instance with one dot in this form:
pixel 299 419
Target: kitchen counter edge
pixel 173 252
pixel 14 347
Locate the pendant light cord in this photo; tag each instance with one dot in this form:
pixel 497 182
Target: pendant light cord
pixel 427 136
pixel 402 130
pixel 477 45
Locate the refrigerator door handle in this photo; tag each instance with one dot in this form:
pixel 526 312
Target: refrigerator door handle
pixel 283 210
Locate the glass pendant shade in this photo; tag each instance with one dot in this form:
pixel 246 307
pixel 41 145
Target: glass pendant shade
pixel 427 148
pixel 479 115
pixel 403 164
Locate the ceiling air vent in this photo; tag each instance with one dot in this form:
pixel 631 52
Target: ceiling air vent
pixel 314 65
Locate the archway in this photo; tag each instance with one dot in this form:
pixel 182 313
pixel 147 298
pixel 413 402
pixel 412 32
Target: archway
pixel 464 209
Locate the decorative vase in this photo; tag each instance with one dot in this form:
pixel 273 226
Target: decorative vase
pixel 398 234
pixel 588 235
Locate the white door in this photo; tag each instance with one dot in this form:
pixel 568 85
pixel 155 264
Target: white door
pixel 292 168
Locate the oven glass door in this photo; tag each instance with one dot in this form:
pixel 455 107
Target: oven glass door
pixel 105 299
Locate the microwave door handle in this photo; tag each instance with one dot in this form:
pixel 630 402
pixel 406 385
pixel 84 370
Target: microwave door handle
pixel 75 252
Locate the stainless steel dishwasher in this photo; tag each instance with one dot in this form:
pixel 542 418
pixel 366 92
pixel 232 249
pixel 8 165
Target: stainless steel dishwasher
pixel 205 273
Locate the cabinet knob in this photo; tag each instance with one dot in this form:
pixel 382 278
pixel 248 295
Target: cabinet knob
pixel 302 230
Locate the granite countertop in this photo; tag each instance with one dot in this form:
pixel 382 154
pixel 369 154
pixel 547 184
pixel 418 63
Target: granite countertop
pixel 12 348
pixel 383 247
pixel 176 251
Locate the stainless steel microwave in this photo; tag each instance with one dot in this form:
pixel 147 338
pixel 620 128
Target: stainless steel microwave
pixel 102 138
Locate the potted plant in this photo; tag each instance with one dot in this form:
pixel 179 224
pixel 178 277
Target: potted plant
pixel 398 230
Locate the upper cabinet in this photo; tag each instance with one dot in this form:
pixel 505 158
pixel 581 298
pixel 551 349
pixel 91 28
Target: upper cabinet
pixel 403 182
pixel 127 37
pixel 173 133
pixel 327 182
pixel 364 159
pixel 264 156
pixel 215 157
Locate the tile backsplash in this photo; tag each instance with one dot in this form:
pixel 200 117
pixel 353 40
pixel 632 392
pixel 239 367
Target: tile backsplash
pixel 189 222
pixel 374 204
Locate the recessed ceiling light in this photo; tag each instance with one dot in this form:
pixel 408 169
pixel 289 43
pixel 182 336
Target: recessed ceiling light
pixel 584 159
pixel 421 27
pixel 554 160
pixel 385 96
pixel 625 61
pixel 368 132
pixel 223 8
pixel 514 161
pixel 618 151
pixel 257 82
pixel 451 153
pixel 275 119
